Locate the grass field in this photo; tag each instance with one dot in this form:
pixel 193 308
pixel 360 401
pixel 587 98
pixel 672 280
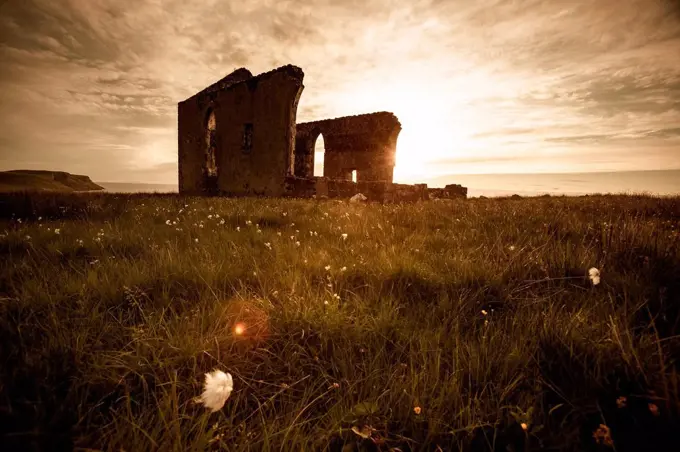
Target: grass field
pixel 442 325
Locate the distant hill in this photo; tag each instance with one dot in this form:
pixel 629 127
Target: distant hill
pixel 37 180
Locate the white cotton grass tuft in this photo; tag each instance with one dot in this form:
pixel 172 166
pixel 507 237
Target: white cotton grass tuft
pixel 594 276
pixel 216 390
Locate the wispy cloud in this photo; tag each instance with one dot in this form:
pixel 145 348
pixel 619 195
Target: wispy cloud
pixel 92 85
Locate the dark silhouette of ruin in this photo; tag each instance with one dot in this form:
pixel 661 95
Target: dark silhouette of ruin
pixel 239 136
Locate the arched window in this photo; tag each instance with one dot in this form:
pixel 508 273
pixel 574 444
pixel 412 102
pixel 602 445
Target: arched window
pixel 319 156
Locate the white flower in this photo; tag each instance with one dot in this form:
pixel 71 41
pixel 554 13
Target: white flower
pixel 343 269
pixel 216 390
pixel 297 243
pixel 57 231
pixel 279 233
pixel 268 245
pixel 196 240
pixel 344 236
pixel 167 222
pixel 248 222
pixel 209 217
pixel 594 276
pixel 222 221
pixel 327 267
pixel 238 228
pixel 28 237
pixel 511 247
pixel 285 213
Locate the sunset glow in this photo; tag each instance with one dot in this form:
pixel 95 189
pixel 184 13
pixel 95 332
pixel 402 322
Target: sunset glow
pixel 479 87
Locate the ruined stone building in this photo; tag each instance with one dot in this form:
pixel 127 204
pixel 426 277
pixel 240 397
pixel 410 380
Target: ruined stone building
pixel 239 136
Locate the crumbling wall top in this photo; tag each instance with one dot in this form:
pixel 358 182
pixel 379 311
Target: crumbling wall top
pixel 366 122
pixel 244 75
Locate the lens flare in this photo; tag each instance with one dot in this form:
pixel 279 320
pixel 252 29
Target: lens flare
pixel 239 329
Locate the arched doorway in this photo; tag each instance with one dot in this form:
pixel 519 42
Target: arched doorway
pixel 319 156
pixel 210 168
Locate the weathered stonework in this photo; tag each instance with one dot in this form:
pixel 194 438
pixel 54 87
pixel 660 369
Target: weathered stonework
pixel 254 133
pixel 239 137
pixel 366 143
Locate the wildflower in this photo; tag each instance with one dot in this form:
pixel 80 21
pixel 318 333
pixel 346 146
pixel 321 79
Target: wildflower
pixel 335 385
pixel 594 276
pixel 336 296
pixel 57 231
pixel 344 236
pixel 484 312
pixel 292 237
pixel 285 213
pixel 200 225
pixel 222 221
pixel 621 402
pixel 209 217
pixel 196 240
pixel 259 231
pixel 278 233
pixel 238 228
pixel 268 245
pixel 653 408
pixel 39 218
pixel 297 243
pixel 363 432
pixel 28 237
pixel 417 410
pixel 328 268
pixel 511 247
pixel 216 390
pixel 524 426
pixel 167 222
pixel 248 222
pixel 343 269
pixel 603 435
pixel 325 302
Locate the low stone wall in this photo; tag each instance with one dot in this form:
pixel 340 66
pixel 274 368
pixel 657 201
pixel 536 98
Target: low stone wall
pixel 449 192
pixel 322 187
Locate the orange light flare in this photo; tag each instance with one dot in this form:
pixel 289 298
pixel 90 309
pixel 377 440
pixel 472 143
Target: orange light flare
pixel 239 329
pixel 246 321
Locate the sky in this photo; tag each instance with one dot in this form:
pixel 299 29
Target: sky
pixel 480 86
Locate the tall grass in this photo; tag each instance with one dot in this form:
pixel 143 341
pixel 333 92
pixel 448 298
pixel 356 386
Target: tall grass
pixel 458 325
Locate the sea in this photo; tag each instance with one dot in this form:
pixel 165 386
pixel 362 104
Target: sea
pixel 658 183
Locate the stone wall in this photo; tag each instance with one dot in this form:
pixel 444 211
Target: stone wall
pixel 448 192
pixel 239 137
pixel 365 143
pixel 254 133
pixel 322 187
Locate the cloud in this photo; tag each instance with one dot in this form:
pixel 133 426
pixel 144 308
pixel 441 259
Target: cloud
pixel 93 84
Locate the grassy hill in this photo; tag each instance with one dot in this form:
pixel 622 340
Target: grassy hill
pixel 442 325
pixel 37 180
